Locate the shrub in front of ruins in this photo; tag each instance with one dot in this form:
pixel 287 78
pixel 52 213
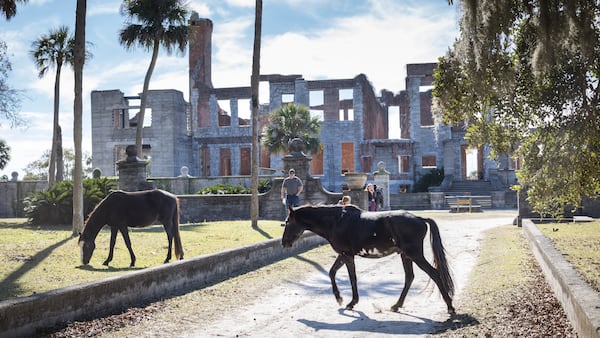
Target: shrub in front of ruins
pixel 55 204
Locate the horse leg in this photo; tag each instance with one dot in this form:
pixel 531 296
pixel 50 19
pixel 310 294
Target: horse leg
pixel 434 274
pixel 113 239
pixel 125 233
pixel 349 260
pixel 334 268
pixel 409 276
pixel 169 230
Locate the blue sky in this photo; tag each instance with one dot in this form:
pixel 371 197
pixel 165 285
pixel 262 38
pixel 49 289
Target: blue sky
pixel 315 38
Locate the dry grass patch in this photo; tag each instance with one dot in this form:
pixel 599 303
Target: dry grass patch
pixel 507 294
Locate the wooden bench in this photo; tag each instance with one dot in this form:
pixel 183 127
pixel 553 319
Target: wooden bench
pixel 463 203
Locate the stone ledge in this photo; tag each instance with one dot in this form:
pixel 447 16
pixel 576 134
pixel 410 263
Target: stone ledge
pixel 22 317
pixel 580 302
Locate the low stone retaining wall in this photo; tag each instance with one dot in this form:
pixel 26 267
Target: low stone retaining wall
pixel 24 316
pixel 580 302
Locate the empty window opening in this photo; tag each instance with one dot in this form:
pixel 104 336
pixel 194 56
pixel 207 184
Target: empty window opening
pixel 224 107
pixel 316 103
pixel 264 92
pixel 244 112
pixel 287 98
pixel 346 104
pixel 394 122
pixel 147 118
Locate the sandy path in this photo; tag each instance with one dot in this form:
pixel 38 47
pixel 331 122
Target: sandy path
pixel 307 308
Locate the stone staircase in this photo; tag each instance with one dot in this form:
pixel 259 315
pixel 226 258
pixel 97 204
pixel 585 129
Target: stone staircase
pixel 480 190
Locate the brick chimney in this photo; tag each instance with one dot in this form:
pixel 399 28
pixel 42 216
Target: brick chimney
pixel 200 49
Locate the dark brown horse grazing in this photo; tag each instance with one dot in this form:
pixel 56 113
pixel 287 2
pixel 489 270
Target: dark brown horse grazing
pixel 121 209
pixel 352 231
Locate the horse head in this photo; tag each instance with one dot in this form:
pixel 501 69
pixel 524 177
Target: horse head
pixel 87 247
pixel 293 229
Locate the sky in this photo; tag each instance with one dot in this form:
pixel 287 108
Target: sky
pixel 335 39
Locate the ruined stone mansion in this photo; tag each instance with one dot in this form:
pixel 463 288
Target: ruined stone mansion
pixel 211 133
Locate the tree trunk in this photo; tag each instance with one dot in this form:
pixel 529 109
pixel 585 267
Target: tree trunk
pixel 79 56
pixel 60 160
pixel 254 207
pixel 140 119
pixel 52 164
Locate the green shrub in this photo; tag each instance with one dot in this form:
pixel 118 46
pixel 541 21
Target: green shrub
pixel 55 205
pixel 226 188
pixel 264 186
pixel 432 179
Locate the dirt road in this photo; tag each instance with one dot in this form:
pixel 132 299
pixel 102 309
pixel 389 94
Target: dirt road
pixel 307 308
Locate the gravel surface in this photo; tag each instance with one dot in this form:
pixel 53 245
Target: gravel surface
pixel 293 298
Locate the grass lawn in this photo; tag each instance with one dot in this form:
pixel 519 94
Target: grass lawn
pixel 580 245
pixel 42 258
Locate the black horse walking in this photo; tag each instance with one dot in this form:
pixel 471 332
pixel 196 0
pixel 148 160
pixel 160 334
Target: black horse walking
pixel 121 209
pixel 352 231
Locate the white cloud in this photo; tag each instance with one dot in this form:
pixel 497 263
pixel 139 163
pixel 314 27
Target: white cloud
pixel 241 3
pixel 378 44
pixel 104 7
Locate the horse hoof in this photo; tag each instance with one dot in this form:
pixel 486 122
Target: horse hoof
pixel 340 300
pixel 395 308
pixel 349 307
pixel 105 263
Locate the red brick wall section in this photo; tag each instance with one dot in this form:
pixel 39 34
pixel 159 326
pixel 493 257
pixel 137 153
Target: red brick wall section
pixel 245 161
pixel 426 115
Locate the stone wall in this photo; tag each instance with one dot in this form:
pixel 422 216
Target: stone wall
pixel 12 195
pixel 23 317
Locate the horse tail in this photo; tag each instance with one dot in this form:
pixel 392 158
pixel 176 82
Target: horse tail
pixel 439 256
pixel 176 235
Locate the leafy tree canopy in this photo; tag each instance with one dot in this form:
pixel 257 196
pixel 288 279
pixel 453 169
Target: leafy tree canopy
pixel 38 169
pixel 8 8
pixel 4 154
pixel 10 98
pixel 289 122
pixel 523 76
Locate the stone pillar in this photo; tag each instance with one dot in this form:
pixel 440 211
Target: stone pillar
pixel 382 181
pixel 297 160
pixel 132 172
pixel 438 200
pixel 358 198
pixel 498 199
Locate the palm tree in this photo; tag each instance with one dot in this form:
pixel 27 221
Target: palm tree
pixel 53 51
pixel 9 7
pixel 254 85
pixel 162 22
pixel 289 122
pixel 79 57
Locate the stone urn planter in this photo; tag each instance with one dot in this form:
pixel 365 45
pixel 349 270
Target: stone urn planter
pixel 355 181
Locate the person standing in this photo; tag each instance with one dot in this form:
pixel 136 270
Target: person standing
pixel 291 189
pixel 371 197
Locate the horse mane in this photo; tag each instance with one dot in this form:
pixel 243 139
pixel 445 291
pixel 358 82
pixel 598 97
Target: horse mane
pixel 98 209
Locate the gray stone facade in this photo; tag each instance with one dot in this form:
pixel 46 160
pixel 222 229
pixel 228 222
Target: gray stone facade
pixel 211 134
